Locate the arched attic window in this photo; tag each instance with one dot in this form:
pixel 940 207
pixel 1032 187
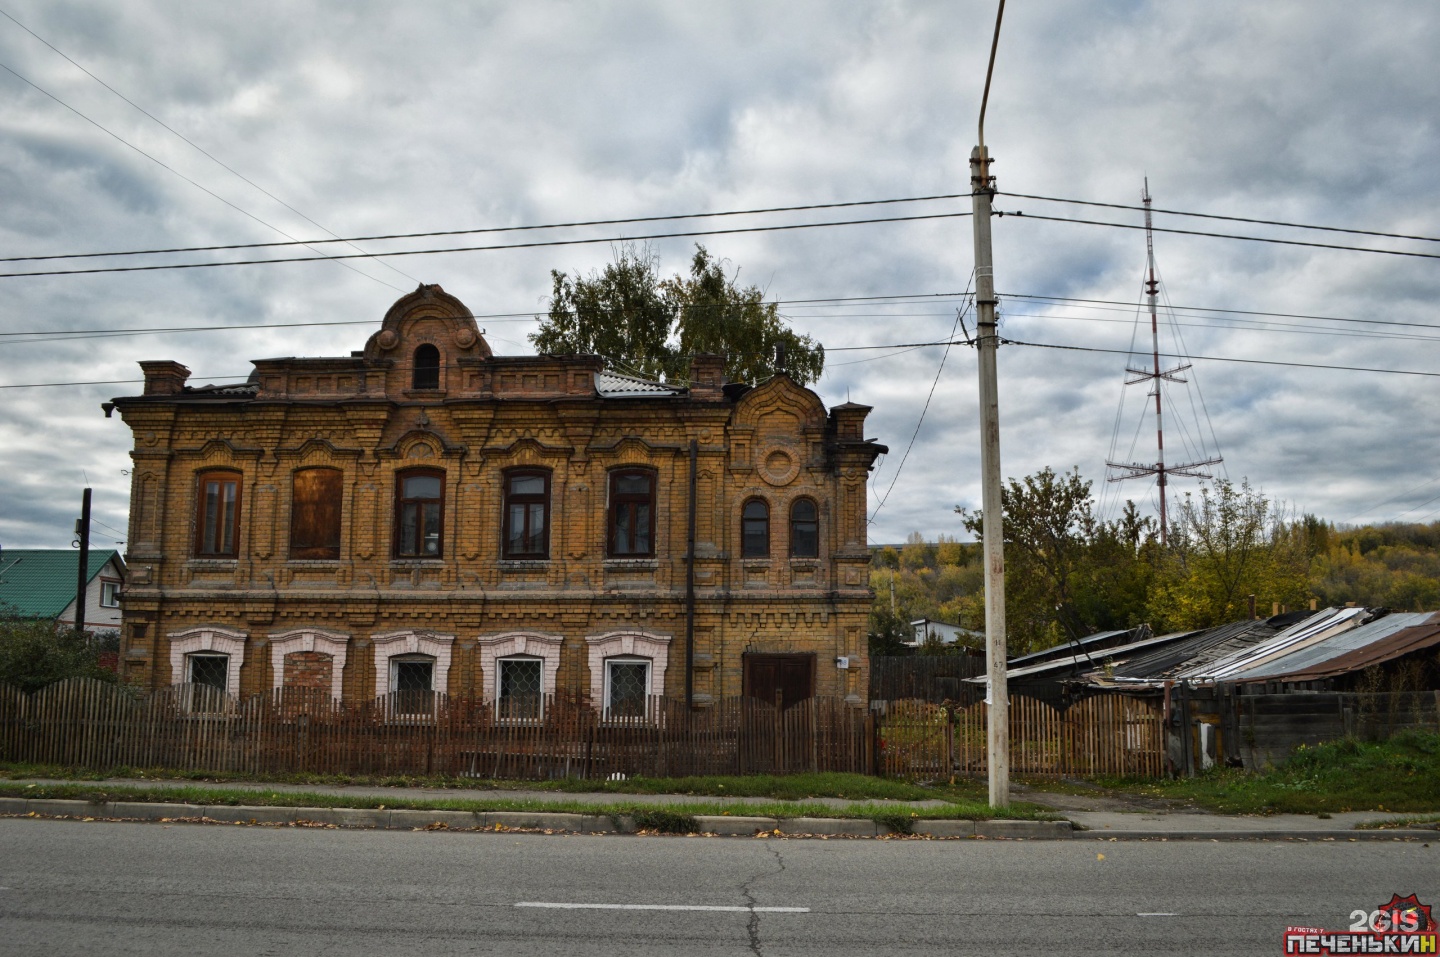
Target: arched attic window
pixel 426 373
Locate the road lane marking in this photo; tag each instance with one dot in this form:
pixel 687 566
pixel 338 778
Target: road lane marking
pixel 1158 913
pixel 736 908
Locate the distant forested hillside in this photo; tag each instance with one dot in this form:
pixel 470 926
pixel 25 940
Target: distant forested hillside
pixel 1070 572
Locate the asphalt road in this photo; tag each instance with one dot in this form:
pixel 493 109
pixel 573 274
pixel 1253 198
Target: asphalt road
pixel 78 888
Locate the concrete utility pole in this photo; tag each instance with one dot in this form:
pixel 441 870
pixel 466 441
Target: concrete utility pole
pixel 997 698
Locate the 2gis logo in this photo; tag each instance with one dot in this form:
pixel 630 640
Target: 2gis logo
pixel 1401 926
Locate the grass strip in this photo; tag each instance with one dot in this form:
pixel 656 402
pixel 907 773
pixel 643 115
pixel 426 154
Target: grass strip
pixel 1426 821
pixel 1401 774
pixel 656 813
pixel 790 787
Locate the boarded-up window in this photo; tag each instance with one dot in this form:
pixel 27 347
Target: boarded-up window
pixel 308 669
pixel 315 513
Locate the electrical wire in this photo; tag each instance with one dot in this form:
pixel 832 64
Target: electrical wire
pixel 1258 362
pixel 188 142
pixel 959 315
pixel 241 377
pixel 471 249
pixel 120 139
pixel 1213 309
pixel 1232 219
pixel 495 229
pixel 1196 232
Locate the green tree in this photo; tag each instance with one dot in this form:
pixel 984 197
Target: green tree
pixel 1227 543
pixel 36 653
pixel 1066 572
pixel 888 632
pixel 652 326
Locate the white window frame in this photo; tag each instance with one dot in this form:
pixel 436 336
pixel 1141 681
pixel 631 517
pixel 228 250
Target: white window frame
pixel 332 643
pixel 411 642
pixel 500 667
pixel 519 644
pixel 649 664
pixel 626 644
pixel 221 641
pixel 113 587
pixel 193 656
pixel 395 662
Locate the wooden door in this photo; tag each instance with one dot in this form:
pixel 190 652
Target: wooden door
pixel 792 677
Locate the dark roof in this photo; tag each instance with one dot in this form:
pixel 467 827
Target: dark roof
pixel 1205 646
pixel 248 389
pixel 1090 643
pixel 1372 643
pixel 1078 662
pixel 40 582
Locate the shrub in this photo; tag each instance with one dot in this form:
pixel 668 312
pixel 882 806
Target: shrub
pixel 36 653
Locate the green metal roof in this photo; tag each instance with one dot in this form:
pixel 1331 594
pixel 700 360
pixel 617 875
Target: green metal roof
pixel 40 582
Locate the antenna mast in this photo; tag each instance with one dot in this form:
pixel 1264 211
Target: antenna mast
pixel 1154 375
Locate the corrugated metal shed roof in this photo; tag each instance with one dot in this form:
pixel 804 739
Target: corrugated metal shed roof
pixel 1201 648
pixel 613 385
pixel 1323 624
pixel 1386 646
pixel 1097 658
pixel 1089 642
pixel 40 582
pixel 1335 645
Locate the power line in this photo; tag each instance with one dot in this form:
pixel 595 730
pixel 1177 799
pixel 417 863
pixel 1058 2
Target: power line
pixel 240 377
pixel 1258 362
pixel 494 316
pixel 1232 219
pixel 1218 311
pixel 1396 498
pixel 190 142
pixel 497 246
pixel 119 139
pixel 1243 325
pixel 899 346
pixel 493 229
pixel 893 298
pixel 959 315
pixel 1252 239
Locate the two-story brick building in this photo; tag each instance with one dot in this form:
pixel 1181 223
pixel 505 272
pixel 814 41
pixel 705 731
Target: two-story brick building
pixel 425 515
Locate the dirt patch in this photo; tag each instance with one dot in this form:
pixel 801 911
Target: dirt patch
pixel 1083 796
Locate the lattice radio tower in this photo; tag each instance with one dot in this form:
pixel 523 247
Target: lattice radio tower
pixel 1155 376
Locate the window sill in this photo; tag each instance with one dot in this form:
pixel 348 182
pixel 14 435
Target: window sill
pixel 756 562
pixel 411 562
pixel 524 564
pixel 424 393
pixel 635 563
pixel 312 562
pixel 208 562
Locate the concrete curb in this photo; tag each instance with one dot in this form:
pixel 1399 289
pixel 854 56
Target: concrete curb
pixel 1393 834
pixel 408 819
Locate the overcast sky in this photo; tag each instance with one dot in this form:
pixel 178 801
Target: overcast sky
pixel 366 118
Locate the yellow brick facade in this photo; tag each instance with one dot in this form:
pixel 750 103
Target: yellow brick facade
pixel 469 607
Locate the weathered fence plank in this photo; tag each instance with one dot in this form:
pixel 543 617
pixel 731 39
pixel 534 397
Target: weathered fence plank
pixel 99 726
pixel 1103 735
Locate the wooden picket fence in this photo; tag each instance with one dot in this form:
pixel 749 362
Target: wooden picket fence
pixel 82 723
pixel 93 725
pixel 1109 734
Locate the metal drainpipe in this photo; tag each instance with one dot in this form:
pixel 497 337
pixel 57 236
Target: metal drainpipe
pixel 690 584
